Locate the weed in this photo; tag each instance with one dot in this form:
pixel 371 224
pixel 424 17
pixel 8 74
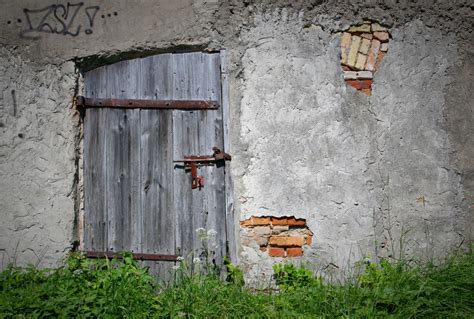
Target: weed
pixel 234 273
pixel 120 288
pixel 289 277
pixel 82 288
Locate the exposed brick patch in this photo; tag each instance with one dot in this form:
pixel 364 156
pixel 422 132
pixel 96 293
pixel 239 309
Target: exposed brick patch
pixel 276 252
pixel 255 221
pixel 279 236
pixel 287 241
pixel 362 49
pixel 360 84
pixel 294 252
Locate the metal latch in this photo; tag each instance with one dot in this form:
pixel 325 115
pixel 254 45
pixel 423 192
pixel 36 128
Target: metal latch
pixel 193 162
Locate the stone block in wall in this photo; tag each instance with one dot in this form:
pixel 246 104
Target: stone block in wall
pixel 262 230
pixel 360 28
pixel 357 75
pixel 364 75
pixel 350 75
pixel 360 63
pixel 382 36
pixel 262 241
pixel 278 229
pixel 364 46
pixel 354 50
pixel 345 46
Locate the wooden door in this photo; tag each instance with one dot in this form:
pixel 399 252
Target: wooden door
pixel 136 198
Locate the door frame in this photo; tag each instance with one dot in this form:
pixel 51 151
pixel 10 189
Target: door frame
pixel 232 223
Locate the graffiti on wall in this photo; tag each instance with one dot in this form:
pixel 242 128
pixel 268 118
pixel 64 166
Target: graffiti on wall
pixel 71 19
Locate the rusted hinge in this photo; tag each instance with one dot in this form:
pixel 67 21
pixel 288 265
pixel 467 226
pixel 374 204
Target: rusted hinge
pixel 86 102
pixel 192 162
pixel 136 256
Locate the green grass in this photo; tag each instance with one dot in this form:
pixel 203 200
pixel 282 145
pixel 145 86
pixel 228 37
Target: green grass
pixel 85 288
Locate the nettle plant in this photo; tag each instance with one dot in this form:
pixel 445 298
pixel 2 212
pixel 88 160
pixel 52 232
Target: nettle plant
pixel 289 277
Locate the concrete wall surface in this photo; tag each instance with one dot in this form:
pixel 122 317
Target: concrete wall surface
pixel 364 172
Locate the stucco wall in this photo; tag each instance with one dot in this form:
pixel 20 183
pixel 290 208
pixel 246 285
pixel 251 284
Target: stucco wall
pixel 363 171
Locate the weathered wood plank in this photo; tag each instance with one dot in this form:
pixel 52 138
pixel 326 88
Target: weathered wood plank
pixel 232 224
pixel 197 77
pixel 95 161
pixel 185 142
pixel 212 129
pixel 123 149
pixel 157 166
pixel 194 66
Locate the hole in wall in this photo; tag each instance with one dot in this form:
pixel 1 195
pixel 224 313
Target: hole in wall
pixel 278 236
pixel 362 49
pixel 91 62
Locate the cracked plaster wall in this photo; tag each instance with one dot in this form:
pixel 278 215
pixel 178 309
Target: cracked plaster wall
pixel 361 170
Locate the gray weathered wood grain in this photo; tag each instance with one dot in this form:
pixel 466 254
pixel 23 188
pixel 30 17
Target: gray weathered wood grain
pixel 132 185
pixel 95 164
pixel 232 223
pixel 184 125
pixel 123 151
pixel 158 225
pixel 197 76
pixel 213 132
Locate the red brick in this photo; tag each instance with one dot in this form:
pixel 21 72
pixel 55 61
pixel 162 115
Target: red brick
pixel 263 248
pixel 367 92
pixel 372 55
pixel 380 56
pixel 309 240
pixel 294 252
pixel 279 221
pixel 290 221
pixel 246 223
pixel 260 221
pixel 276 252
pixel 345 68
pixel 296 222
pixel 360 84
pixel 353 83
pixel 287 241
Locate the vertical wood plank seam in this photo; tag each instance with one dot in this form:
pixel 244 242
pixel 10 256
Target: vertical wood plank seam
pixel 232 232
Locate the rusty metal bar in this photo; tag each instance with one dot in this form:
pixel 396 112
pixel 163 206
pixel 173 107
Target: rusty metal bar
pixel 196 159
pixel 87 102
pixel 136 256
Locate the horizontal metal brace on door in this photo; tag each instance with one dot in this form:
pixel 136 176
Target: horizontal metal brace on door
pixel 87 102
pixel 136 256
